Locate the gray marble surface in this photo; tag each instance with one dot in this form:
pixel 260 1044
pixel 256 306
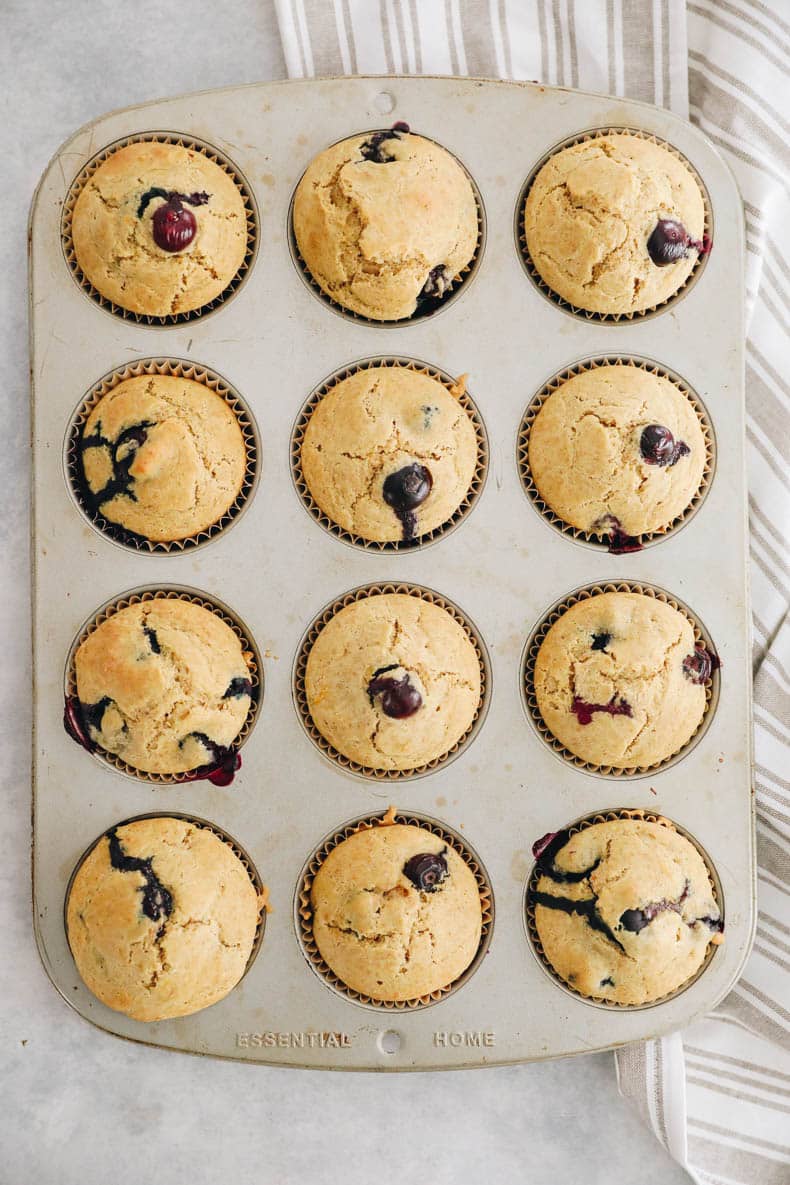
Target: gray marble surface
pixel 77 1105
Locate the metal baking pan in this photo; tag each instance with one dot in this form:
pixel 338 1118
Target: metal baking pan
pixel 504 566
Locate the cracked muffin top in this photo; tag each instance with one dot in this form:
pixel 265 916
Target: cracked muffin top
pixel 393 681
pixel 625 909
pixel 159 229
pixel 620 680
pixel 161 919
pixel 614 224
pixel 162 457
pixel 396 912
pixel 384 221
pixel 165 685
pixel 389 454
pixel 617 443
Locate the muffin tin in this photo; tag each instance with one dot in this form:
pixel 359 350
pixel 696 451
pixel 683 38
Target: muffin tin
pixel 503 564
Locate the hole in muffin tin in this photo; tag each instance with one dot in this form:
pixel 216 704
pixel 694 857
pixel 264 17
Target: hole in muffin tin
pixel 180 368
pixel 169 592
pixel 419 541
pixel 534 274
pixel 529 699
pixel 300 696
pixel 303 913
pixel 587 538
pixel 181 141
pixel 203 825
pixel 531 928
pixel 430 306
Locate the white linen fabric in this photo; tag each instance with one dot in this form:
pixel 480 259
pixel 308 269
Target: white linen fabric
pixel 718 1095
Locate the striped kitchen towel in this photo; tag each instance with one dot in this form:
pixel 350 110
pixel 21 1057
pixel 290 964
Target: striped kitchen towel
pixel 717 1095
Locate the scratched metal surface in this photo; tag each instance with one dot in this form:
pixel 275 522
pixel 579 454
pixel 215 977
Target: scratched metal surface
pixel 504 566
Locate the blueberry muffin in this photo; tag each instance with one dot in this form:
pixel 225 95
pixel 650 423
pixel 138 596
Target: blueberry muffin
pixel 162 458
pixel 164 685
pixel 620 680
pixel 384 221
pixel 393 681
pixel 161 919
pixel 615 223
pixel 389 454
pixel 624 909
pixel 617 447
pixel 396 912
pixel 159 229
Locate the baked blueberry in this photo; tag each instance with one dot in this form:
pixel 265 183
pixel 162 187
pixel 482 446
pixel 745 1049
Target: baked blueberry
pixel 372 149
pixel 601 641
pixel 404 491
pixel 173 225
pixel 671 241
pixel 399 697
pixel 584 712
pixel 620 543
pixel 157 900
pixel 699 666
pixel 426 871
pixel 659 447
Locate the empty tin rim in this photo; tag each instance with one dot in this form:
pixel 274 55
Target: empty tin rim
pixel 536 946
pixel 180 141
pixel 534 274
pixel 361 593
pixel 179 368
pixel 204 825
pixel 530 653
pixel 428 307
pixel 456 387
pixel 303 912
pixel 169 592
pixel 588 538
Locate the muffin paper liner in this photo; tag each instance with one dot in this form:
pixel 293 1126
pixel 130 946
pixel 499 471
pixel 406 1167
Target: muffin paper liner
pixel 72 458
pixel 303 911
pixel 554 383
pixel 300 695
pixel 204 825
pixel 430 305
pixel 534 274
pixel 532 930
pixel 219 158
pixel 456 388
pixel 170 593
pixel 535 640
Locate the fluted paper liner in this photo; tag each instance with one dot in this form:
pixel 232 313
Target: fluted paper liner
pixel 170 593
pixel 303 911
pixel 177 368
pixel 530 654
pixel 554 383
pixel 300 695
pixel 219 158
pixel 456 388
pixel 534 274
pixel 532 930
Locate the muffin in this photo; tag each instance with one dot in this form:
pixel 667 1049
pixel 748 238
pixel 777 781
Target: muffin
pixel 615 223
pixel 164 685
pixel 396 912
pixel 617 445
pixel 624 909
pixel 159 229
pixel 385 220
pixel 162 458
pixel 620 681
pixel 389 454
pixel 161 919
pixel 393 681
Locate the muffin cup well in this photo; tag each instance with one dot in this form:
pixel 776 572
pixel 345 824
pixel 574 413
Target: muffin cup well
pixel 529 698
pixel 429 305
pixel 455 387
pixel 204 825
pixel 179 368
pixel 303 911
pixel 180 141
pixel 588 538
pixel 169 593
pixel 300 695
pixel 534 274
pixel 532 930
